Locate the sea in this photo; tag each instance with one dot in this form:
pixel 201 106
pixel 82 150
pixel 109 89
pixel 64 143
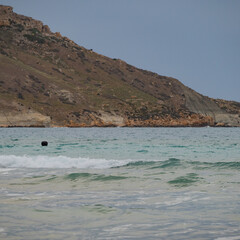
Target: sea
pixel 120 183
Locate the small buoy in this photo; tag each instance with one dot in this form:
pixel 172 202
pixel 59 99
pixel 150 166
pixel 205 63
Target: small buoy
pixel 44 143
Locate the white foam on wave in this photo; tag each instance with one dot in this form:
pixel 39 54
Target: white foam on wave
pixel 12 161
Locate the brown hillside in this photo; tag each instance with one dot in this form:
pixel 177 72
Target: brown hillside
pixel 48 80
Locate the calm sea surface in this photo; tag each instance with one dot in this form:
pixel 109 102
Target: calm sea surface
pixel 120 183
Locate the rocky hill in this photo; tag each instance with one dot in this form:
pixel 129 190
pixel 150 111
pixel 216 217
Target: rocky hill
pixel 48 80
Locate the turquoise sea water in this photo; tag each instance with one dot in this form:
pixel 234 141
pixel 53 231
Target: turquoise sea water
pixel 120 183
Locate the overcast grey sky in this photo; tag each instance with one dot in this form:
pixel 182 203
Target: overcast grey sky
pixel 195 41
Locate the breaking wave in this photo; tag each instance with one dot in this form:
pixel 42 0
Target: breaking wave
pixel 12 161
pixel 41 161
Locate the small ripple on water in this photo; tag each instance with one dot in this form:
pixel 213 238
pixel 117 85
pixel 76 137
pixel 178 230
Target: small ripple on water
pixel 99 208
pixel 42 210
pixel 139 163
pixel 93 177
pixel 185 181
pixel 217 165
pixel 8 146
pixel 142 151
pixel 76 176
pixel 67 144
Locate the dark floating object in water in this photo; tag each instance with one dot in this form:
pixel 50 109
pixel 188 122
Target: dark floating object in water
pixel 44 143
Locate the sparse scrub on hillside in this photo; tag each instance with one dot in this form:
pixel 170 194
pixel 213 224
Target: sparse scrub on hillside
pixel 20 96
pixel 34 38
pixel 20 27
pixel 34 31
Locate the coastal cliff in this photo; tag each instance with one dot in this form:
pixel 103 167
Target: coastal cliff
pixel 47 80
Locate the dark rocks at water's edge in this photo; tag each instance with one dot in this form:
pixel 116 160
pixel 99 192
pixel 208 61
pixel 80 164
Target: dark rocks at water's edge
pixel 48 80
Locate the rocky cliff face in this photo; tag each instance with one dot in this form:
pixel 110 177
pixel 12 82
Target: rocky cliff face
pixel 48 80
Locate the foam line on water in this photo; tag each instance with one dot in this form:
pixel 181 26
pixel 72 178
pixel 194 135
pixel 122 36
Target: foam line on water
pixel 12 161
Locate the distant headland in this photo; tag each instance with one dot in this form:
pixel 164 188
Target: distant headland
pixel 47 80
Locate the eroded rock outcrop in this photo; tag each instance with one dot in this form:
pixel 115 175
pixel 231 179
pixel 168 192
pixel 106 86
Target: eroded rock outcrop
pixel 208 107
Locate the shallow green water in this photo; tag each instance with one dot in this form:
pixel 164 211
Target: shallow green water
pixel 120 183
